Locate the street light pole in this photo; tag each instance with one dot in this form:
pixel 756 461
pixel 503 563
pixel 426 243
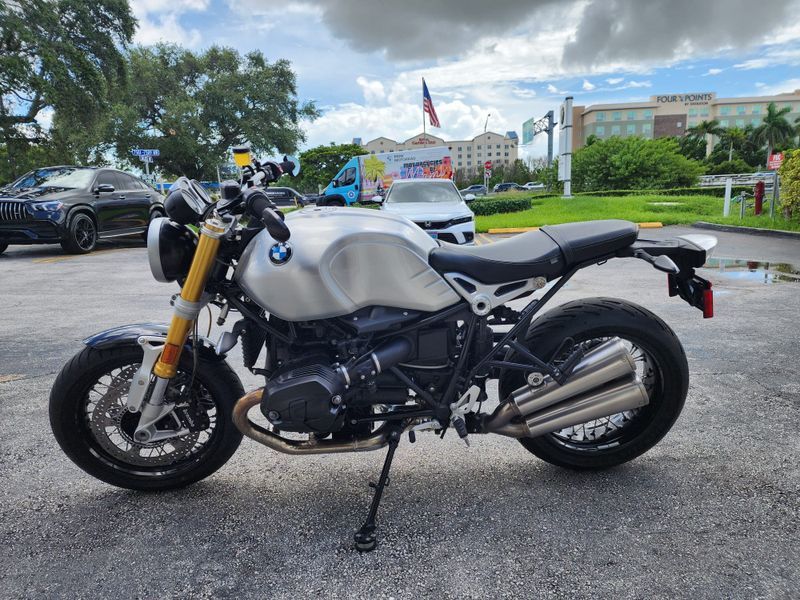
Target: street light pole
pixel 486 124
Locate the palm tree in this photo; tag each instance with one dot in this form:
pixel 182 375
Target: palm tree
pixel 735 137
pixel 706 130
pixel 775 129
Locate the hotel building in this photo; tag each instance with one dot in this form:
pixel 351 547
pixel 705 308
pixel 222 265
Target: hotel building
pixel 466 154
pixel 669 115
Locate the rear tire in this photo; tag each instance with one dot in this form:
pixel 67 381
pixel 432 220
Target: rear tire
pixel 662 356
pixel 3 247
pixel 153 216
pixel 114 458
pixel 81 235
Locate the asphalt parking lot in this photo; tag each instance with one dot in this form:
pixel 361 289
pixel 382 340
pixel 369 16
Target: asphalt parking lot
pixel 711 512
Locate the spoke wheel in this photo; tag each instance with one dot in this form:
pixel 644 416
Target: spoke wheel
pixel 660 364
pixel 112 426
pixel 82 235
pixel 92 424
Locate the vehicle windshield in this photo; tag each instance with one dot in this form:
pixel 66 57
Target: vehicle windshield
pixel 422 191
pixel 62 177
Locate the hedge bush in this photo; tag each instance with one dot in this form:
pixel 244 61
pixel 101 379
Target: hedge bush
pixel 718 192
pixel 493 206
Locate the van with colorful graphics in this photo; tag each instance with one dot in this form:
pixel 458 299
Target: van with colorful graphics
pixel 371 174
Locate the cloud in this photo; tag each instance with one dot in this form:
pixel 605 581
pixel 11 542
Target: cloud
pixel 373 90
pixel 714 71
pixel 614 80
pixel 601 32
pixel 588 86
pixel 784 87
pixel 158 21
pixel 771 57
pixel 654 30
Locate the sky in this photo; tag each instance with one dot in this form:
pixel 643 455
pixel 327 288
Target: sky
pixel 362 61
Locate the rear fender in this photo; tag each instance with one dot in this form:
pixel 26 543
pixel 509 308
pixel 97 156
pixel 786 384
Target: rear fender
pixel 127 335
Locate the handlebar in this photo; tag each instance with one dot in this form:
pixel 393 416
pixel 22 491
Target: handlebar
pixel 258 205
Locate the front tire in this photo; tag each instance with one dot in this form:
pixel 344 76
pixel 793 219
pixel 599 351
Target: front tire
pixel 662 366
pixel 92 425
pixel 81 235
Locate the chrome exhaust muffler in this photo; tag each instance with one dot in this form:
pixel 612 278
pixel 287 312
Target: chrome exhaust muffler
pixel 602 384
pixel 254 431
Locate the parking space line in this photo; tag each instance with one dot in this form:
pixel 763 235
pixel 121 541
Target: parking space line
pixel 486 239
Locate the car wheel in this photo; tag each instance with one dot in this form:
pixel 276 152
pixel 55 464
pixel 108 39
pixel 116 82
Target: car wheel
pixel 156 214
pixel 3 247
pixel 82 235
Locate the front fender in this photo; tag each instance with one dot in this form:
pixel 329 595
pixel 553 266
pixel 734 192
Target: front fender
pixel 126 335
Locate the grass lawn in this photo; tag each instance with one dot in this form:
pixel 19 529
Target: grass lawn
pixel 670 210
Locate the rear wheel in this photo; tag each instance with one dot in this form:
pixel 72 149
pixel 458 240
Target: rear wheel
pixel 3 247
pixel 661 365
pixel 81 236
pixel 91 423
pixel 157 213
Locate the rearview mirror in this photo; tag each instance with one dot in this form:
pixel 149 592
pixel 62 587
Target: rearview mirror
pixel 296 161
pixel 469 197
pixel 104 187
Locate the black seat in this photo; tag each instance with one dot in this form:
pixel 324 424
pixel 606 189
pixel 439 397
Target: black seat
pixel 549 252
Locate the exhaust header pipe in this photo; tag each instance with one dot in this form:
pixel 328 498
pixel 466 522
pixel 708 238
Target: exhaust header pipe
pixel 602 384
pixel 378 439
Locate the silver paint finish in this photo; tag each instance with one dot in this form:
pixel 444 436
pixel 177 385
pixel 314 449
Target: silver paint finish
pixel 344 259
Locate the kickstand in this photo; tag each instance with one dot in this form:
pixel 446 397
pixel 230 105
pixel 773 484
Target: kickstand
pixel 365 538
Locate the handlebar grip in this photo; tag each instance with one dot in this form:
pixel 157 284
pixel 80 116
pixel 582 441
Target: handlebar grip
pixel 256 202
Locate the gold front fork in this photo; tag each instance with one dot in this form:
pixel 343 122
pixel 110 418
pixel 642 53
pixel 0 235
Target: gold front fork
pixel 187 305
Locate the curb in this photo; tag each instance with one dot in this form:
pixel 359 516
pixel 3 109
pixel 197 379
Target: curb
pixel 776 233
pixel 647 225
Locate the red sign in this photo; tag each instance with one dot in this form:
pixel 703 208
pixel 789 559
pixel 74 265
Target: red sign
pixel 487 164
pixel 775 161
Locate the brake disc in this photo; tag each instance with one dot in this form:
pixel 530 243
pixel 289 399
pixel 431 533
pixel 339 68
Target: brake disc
pixel 112 425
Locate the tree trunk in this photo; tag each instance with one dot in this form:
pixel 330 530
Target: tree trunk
pixel 769 152
pixel 730 152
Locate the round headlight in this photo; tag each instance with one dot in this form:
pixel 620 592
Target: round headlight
pixel 170 249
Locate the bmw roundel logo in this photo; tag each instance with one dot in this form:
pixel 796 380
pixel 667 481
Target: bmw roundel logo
pixel 280 253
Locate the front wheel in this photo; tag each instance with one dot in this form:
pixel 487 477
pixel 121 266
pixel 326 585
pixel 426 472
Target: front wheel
pixel 91 423
pixel 81 235
pixel 661 365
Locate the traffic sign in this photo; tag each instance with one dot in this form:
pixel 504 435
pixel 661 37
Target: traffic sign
pixel 145 152
pixel 775 161
pixel 146 159
pixel 487 164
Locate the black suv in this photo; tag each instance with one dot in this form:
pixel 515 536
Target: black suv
pixel 75 206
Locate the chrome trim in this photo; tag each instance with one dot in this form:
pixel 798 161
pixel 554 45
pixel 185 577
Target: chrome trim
pixel 153 250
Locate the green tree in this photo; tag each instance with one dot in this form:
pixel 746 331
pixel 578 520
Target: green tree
pixel 790 184
pixel 737 165
pixel 692 146
pixel 64 56
pixel 194 107
pixel 632 163
pixel 321 164
pixel 733 138
pixel 775 129
pixel 706 130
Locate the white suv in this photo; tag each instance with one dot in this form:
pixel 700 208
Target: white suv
pixel 435 205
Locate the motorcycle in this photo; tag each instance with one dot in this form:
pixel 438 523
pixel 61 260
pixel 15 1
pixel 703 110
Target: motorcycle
pixel 371 330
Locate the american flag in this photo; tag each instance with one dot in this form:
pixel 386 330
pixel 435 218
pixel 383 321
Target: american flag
pixel 427 106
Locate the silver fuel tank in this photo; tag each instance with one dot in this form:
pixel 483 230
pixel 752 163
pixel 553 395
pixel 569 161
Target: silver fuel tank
pixel 343 259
